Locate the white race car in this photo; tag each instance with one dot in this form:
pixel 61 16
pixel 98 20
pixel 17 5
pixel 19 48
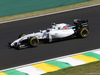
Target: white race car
pixel 58 31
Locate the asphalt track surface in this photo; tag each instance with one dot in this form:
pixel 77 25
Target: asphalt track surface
pixel 10 31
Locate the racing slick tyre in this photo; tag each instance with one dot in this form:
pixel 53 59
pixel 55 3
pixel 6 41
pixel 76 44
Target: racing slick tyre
pixel 21 35
pixel 34 42
pixel 84 32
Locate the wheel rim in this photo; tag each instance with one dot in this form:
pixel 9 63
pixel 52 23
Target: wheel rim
pixel 34 42
pixel 84 32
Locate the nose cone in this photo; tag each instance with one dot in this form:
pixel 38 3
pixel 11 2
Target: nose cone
pixel 12 44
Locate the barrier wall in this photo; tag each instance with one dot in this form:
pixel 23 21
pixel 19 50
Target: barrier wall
pixel 12 7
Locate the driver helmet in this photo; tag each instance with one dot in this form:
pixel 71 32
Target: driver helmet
pixel 53 23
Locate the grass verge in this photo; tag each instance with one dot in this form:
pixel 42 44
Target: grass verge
pixel 87 69
pixel 32 14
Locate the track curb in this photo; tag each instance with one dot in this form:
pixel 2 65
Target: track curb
pixel 54 64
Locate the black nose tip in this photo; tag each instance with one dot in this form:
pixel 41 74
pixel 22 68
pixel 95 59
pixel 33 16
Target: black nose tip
pixel 9 44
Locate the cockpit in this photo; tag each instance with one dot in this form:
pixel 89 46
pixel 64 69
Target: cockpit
pixel 60 26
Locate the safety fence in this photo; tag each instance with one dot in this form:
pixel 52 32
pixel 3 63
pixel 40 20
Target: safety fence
pixel 12 7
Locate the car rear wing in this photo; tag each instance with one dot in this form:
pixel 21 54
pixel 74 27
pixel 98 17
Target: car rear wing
pixel 81 23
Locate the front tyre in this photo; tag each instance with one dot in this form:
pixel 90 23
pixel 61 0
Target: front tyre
pixel 84 32
pixel 34 42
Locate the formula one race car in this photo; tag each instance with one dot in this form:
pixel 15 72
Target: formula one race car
pixel 58 31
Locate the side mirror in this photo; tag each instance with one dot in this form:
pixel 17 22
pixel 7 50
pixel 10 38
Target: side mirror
pixel 41 31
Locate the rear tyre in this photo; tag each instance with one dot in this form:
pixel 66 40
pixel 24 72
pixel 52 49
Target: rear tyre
pixel 84 32
pixel 21 35
pixel 34 42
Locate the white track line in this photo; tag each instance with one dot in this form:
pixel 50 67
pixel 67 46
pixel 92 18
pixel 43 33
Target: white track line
pixel 51 13
pixel 49 60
